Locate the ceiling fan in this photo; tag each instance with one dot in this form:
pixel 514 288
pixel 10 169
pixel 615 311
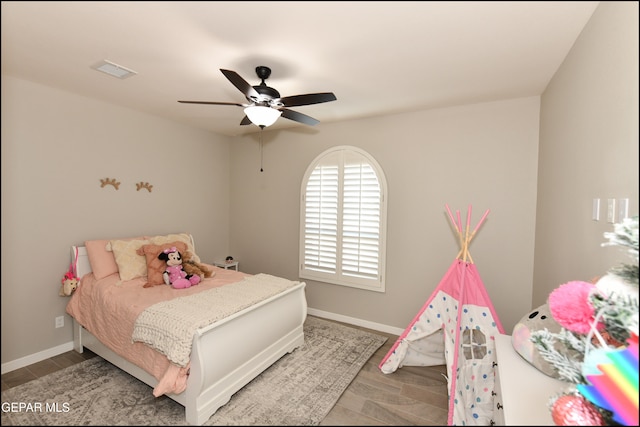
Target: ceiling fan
pixel 265 104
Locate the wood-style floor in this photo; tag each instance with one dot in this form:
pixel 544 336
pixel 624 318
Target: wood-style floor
pixel 410 396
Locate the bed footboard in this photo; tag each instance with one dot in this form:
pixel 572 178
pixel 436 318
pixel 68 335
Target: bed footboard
pixel 227 354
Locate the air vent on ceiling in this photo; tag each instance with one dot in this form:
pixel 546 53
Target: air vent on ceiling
pixel 114 70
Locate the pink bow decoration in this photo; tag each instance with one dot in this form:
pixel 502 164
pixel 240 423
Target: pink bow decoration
pixel 71 272
pixel 169 250
pixel 69 275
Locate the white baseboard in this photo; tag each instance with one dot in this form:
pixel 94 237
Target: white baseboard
pixel 35 358
pixel 63 348
pixel 355 321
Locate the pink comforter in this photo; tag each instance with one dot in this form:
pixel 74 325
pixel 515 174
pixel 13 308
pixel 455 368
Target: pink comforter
pixel 108 308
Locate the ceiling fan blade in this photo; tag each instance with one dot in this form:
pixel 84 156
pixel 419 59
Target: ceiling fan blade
pixel 245 121
pixel 214 103
pixel 307 99
pixel 298 117
pixel 242 85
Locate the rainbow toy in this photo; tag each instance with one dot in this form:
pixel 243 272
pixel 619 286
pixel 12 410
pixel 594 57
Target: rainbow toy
pixel 617 388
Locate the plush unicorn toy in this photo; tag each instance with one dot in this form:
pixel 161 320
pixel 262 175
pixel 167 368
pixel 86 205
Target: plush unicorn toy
pixel 69 284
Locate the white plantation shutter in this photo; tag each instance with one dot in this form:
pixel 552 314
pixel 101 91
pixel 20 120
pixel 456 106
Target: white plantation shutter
pixel 360 221
pixel 343 212
pixel 321 219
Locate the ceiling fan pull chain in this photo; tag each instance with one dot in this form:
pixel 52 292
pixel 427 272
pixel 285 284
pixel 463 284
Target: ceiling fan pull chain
pixel 261 129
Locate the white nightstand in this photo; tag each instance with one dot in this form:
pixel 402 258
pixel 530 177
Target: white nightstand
pixel 227 265
pixel 522 391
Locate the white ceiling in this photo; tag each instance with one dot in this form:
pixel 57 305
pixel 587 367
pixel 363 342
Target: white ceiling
pixel 376 57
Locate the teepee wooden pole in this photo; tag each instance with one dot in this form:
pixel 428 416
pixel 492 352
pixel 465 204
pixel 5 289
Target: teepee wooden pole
pixel 481 221
pixel 467 238
pixel 457 228
pixel 460 237
pixel 453 221
pixel 473 234
pixel 463 234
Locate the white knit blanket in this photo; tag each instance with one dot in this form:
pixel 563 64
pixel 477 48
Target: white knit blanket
pixel 169 326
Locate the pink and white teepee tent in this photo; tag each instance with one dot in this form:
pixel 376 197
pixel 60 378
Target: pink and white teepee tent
pixel 457 326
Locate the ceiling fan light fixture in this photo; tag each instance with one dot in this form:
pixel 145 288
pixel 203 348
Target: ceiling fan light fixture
pixel 261 115
pixel 265 104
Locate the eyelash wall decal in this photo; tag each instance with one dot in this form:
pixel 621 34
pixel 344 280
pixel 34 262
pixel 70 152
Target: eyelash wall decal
pixel 108 181
pixel 140 185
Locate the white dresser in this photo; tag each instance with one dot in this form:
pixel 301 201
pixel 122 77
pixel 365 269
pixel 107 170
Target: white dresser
pixel 522 391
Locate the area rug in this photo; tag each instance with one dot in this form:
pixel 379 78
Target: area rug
pixel 299 389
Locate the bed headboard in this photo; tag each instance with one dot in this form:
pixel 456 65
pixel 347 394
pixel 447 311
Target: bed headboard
pixel 82 264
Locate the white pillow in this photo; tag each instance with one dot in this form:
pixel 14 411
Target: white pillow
pixel 130 264
pixel 181 237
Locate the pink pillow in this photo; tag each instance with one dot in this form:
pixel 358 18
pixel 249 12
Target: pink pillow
pixel 102 261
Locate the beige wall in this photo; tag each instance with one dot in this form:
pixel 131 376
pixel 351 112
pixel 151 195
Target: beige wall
pixel 484 155
pixel 56 147
pixel 588 149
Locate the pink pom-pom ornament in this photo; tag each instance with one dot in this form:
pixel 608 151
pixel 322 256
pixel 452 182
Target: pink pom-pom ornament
pixel 570 307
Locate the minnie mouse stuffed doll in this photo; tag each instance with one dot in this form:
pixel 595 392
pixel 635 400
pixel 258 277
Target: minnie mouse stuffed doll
pixel 174 274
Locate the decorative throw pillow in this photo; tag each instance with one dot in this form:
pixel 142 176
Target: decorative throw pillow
pixel 130 264
pixel 537 320
pixel 155 267
pixel 180 237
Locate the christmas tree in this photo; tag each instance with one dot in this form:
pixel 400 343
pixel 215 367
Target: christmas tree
pixel 601 334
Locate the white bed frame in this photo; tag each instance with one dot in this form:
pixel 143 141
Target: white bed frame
pixel 223 360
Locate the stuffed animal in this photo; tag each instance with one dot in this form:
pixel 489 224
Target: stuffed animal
pixel 69 283
pixel 174 274
pixel 68 286
pixel 195 268
pixel 536 320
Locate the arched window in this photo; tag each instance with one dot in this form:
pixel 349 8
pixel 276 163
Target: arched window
pixel 343 220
